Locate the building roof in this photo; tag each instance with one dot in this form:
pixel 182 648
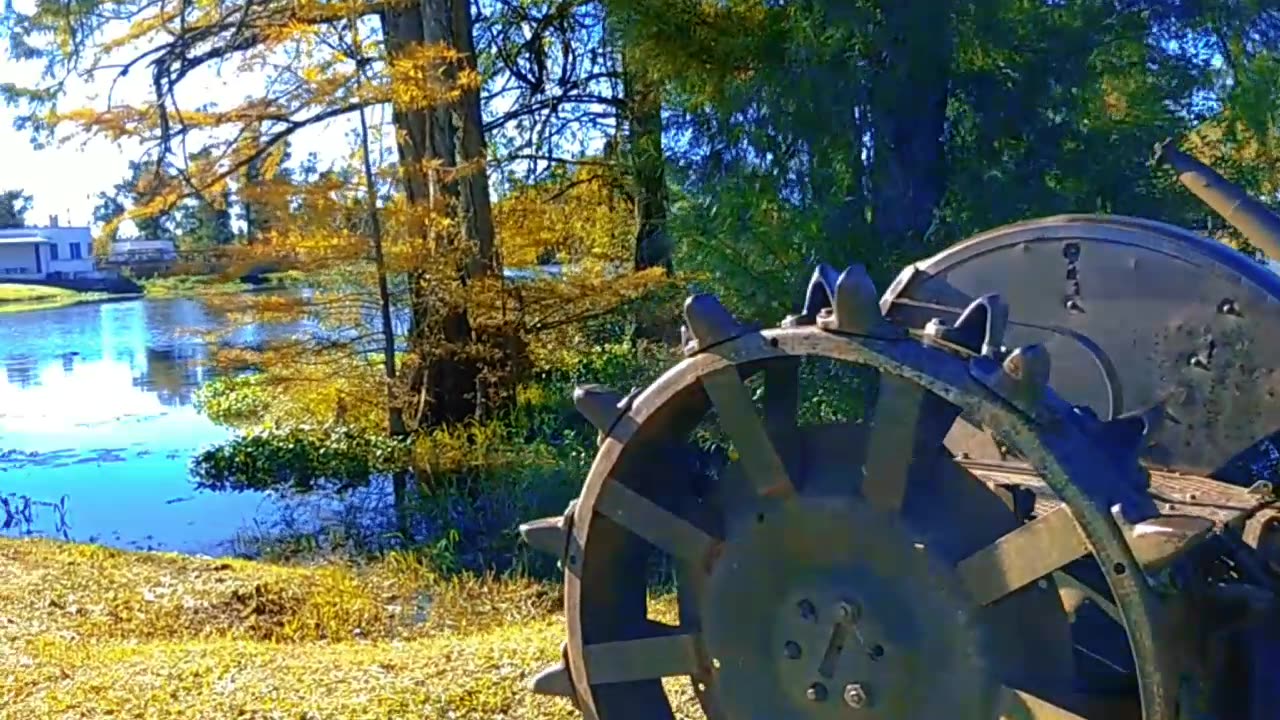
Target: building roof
pixel 73 233
pixel 28 238
pixel 141 245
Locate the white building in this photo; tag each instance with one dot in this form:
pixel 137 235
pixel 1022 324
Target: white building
pixel 46 253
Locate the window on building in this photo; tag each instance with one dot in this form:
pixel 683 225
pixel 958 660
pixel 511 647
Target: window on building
pixel 75 251
pixel 53 251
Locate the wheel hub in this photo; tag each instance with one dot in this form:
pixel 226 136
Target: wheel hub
pixel 847 614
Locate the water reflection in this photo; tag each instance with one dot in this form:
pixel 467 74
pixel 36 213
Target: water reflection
pixel 173 374
pixel 96 406
pixel 20 370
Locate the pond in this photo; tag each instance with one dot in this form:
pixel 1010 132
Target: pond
pixel 97 427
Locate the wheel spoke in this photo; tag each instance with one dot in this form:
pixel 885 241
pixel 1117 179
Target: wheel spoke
pixel 781 395
pixel 738 416
pixel 1022 705
pixel 1023 556
pixel 662 528
pixel 1074 591
pixel 908 424
pixel 668 654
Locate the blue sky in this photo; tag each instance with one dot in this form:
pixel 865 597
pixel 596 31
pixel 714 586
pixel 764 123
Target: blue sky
pixel 64 179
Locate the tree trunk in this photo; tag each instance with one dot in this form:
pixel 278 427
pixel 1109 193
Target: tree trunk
pixel 909 104
pixel 648 163
pixel 395 412
pixel 441 336
pixel 475 207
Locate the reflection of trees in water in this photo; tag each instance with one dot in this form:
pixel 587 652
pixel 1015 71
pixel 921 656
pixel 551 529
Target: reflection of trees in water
pixel 18 513
pixel 20 370
pixel 172 373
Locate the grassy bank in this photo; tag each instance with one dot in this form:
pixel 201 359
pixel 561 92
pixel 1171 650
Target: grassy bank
pixel 88 632
pixel 20 298
pixel 202 285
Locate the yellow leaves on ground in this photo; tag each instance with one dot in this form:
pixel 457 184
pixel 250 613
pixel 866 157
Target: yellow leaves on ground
pixel 87 632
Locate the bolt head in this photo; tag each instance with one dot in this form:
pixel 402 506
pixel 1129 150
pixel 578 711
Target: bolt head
pixel 807 610
pixel 855 696
pixel 792 650
pixel 847 612
pixel 817 692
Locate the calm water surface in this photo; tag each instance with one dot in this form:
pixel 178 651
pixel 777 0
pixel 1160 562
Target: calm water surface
pixel 97 427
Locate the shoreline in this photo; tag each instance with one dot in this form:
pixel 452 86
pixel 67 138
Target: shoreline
pixel 17 298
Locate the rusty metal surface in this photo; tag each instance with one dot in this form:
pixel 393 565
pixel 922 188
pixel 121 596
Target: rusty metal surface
pixel 1134 313
pixel 818 516
pixel 1220 502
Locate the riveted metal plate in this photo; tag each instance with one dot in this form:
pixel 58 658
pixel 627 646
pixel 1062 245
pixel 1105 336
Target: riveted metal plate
pixel 1134 313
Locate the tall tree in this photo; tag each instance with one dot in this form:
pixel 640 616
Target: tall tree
pixel 642 114
pixel 203 220
pixel 14 206
pixel 875 131
pixel 260 180
pixel 421 65
pixel 135 198
pixel 570 96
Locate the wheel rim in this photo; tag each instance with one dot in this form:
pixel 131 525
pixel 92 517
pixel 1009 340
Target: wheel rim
pixel 739 660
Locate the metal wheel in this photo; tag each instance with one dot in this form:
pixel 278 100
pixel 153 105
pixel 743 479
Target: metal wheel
pixel 848 570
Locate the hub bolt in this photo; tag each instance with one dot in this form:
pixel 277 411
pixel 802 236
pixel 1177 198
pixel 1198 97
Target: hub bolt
pixel 847 612
pixel 807 610
pixel 855 696
pixel 817 692
pixel 792 649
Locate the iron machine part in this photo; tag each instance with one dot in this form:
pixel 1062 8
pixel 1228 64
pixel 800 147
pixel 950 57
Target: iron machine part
pixel 857 569
pixel 1141 317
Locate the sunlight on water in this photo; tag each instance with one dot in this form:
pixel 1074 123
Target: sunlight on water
pixel 97 427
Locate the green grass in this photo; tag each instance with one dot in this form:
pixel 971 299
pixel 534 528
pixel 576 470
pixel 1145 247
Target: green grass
pixel 89 632
pixel 20 298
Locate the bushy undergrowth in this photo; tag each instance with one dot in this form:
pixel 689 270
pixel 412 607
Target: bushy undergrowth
pixel 472 484
pixel 211 283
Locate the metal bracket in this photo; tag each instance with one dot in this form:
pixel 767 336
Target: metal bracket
pixel 979 329
pixel 1021 379
pixel 846 302
pixel 708 323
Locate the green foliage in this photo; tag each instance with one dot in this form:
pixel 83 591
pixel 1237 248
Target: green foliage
pixel 234 400
pixel 803 136
pixel 474 483
pixel 300 460
pixel 135 191
pixel 14 206
pixel 202 223
pixel 208 285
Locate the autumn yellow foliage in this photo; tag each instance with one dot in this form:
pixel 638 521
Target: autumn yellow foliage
pixel 87 633
pixel 578 217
